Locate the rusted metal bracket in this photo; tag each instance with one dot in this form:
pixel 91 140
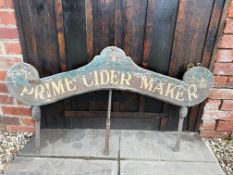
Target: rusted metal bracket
pixel 108 124
pixel 182 114
pixel 36 114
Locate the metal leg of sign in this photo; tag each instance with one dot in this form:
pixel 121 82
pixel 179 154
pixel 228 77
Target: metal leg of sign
pixel 182 114
pixel 37 137
pixel 36 114
pixel 108 124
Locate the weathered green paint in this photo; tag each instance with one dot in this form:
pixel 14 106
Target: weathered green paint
pixel 112 69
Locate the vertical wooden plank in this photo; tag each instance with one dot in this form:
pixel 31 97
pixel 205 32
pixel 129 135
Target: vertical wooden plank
pixel 89 39
pixel 118 41
pixel 160 27
pixel 44 21
pixel 207 52
pixel 62 53
pixel 38 22
pixel 78 38
pixel 89 28
pixel 28 33
pixel 219 32
pixel 134 19
pixel 118 25
pixel 60 34
pixel 103 36
pixel 191 28
pixel 141 103
pixel 189 40
pixel 215 48
pixel 212 32
pixel 44 26
pixel 75 32
pixel 130 22
pixel 103 21
pixel 28 41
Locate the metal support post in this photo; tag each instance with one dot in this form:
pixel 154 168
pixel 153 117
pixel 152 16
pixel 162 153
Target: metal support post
pixel 108 124
pixel 36 114
pixel 182 114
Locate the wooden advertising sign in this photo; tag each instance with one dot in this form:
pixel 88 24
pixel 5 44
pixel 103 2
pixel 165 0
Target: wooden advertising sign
pixel 110 70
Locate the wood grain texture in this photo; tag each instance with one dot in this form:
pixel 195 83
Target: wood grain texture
pixel 189 41
pixel 212 32
pixel 150 31
pixel 60 35
pixel 191 29
pixel 89 28
pixel 75 32
pixel 207 53
pixel 134 20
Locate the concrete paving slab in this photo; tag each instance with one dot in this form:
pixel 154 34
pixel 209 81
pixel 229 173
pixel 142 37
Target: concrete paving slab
pixel 60 166
pixel 169 168
pixel 152 145
pixel 74 143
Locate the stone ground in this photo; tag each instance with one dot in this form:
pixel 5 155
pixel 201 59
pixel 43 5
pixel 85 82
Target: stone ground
pixel 80 152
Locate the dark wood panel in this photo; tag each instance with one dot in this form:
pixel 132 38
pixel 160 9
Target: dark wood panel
pixel 160 35
pixel 103 36
pixel 39 29
pixel 61 35
pixel 191 28
pixel 212 32
pixel 134 21
pixel 39 26
pixel 26 24
pixel 103 24
pixel 42 12
pixel 160 27
pixel 74 13
pixel 75 32
pixel 132 29
pixel 189 41
pixel 207 53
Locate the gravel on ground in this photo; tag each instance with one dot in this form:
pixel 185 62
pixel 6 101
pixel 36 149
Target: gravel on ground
pixel 10 144
pixel 223 149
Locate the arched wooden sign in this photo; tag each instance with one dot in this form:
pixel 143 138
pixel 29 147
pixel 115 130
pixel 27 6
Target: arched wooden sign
pixel 112 69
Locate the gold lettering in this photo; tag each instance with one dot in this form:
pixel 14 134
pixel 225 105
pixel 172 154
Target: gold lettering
pixel 48 90
pixel 159 87
pixel 104 77
pixel 85 82
pixel 192 92
pixel 114 79
pixel 180 94
pixel 27 91
pixel 125 79
pixel 39 90
pixel 96 78
pixel 170 90
pixel 145 84
pixel 69 83
pixel 57 87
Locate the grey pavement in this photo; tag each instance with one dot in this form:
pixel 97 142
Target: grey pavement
pixel 132 152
